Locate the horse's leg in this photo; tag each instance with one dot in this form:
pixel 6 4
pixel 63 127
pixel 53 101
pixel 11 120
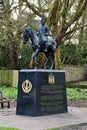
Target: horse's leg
pixel 35 58
pixel 53 62
pixel 47 60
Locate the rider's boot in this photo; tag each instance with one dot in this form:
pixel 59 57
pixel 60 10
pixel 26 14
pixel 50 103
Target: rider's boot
pixel 46 47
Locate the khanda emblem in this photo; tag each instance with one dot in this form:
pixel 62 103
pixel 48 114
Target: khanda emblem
pixel 26 86
pixel 51 79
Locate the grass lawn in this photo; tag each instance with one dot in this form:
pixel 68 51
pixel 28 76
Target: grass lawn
pixel 6 128
pixel 76 93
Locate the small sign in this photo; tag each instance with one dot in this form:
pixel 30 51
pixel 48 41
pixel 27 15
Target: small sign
pixel 26 86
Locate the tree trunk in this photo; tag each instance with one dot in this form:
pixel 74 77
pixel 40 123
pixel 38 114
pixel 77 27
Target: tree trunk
pixel 12 51
pixel 43 60
pixel 57 59
pixel 31 65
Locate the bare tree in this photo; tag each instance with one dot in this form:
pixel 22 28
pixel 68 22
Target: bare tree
pixel 63 18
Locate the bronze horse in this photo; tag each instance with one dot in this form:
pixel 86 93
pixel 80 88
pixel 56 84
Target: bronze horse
pixel 38 46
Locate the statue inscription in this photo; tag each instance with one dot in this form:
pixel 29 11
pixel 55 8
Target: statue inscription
pixel 51 98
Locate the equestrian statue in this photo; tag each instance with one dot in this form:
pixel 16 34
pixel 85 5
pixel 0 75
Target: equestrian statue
pixel 41 43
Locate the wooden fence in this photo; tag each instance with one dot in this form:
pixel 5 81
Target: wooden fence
pixel 9 77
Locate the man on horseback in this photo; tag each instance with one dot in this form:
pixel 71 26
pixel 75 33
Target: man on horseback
pixel 43 33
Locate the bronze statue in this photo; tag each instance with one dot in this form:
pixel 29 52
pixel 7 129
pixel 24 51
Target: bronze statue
pixel 41 43
pixel 43 33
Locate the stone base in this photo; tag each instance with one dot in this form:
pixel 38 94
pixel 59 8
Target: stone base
pixel 41 92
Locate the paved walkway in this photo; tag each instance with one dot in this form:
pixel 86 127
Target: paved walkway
pixel 75 115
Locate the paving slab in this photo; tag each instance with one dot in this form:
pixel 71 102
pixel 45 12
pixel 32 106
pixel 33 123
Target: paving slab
pixel 75 115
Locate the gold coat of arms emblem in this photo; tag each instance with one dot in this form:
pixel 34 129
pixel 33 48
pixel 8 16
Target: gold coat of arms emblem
pixel 26 86
pixel 51 79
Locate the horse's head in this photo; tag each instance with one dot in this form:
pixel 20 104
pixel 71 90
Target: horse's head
pixel 26 35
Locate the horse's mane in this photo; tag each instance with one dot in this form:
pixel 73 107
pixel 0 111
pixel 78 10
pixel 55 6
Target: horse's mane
pixel 30 30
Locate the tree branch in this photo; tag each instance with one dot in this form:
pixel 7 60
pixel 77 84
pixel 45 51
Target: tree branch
pixel 66 36
pixel 32 7
pixel 54 17
pixel 80 8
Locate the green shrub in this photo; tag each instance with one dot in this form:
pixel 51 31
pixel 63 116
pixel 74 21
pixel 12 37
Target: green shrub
pixel 9 92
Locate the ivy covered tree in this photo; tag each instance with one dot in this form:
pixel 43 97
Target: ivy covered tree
pixel 83 36
pixel 7 38
pixel 10 33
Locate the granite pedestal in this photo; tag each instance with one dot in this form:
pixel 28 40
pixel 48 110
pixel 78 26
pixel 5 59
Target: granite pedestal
pixel 41 92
